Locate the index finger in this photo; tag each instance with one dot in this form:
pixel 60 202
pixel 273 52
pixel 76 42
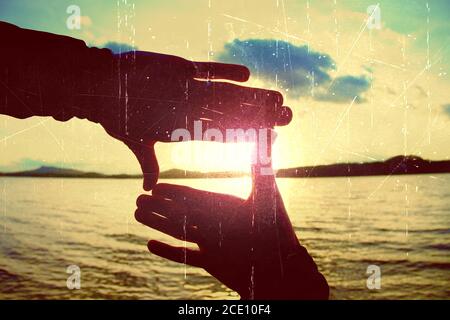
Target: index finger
pixel 217 70
pixel 234 106
pixel 199 199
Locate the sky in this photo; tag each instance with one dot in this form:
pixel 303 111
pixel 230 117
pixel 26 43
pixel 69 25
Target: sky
pixel 362 86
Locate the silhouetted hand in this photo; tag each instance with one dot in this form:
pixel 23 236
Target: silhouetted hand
pixel 248 245
pixel 157 94
pixel 138 97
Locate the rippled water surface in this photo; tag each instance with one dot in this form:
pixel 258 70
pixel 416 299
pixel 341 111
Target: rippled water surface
pixel 400 223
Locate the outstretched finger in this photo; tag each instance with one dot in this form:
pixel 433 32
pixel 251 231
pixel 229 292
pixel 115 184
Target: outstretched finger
pixel 172 210
pixel 177 254
pixel 217 70
pixel 157 204
pixel 193 197
pixel 176 229
pixel 233 106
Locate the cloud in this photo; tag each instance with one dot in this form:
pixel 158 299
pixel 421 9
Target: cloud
pixel 295 69
pixel 446 108
pixel 292 67
pixel 117 47
pixel 85 21
pixel 345 89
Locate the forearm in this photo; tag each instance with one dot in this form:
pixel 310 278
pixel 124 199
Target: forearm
pixel 43 74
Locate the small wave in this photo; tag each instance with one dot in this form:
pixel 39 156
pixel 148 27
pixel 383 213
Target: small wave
pixel 439 246
pixel 390 245
pixel 431 265
pixel 416 265
pixel 315 229
pixel 11 253
pixel 385 262
pixel 7 275
pixel 130 238
pixel 127 279
pixel 435 231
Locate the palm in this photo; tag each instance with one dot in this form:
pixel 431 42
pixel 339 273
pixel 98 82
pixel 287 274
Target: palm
pixel 240 241
pixel 160 94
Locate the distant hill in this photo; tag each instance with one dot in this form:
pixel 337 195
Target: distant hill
pixel 396 165
pixel 393 166
pixel 55 172
pixel 46 171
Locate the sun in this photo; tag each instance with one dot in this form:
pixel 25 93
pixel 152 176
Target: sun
pixel 212 156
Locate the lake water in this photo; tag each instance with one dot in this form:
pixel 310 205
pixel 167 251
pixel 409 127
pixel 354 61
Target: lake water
pixel 399 223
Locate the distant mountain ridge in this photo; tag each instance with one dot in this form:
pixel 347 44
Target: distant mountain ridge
pixel 56 172
pixel 393 166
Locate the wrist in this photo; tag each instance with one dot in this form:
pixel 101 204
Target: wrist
pixel 96 96
pixel 294 276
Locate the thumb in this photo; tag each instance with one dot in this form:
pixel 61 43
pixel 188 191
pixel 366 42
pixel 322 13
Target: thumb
pixel 267 203
pixel 264 187
pixel 264 198
pixel 145 154
pixel 263 176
